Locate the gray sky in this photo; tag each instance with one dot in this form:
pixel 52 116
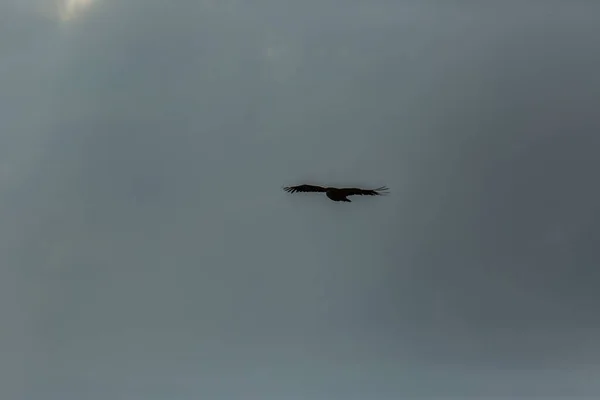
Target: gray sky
pixel 148 252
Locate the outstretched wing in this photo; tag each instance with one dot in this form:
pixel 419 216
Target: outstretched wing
pixel 365 192
pixel 304 188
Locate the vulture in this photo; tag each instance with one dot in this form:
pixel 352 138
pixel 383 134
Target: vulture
pixel 337 194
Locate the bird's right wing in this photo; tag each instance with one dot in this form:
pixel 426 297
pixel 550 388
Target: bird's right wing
pixel 365 192
pixel 304 188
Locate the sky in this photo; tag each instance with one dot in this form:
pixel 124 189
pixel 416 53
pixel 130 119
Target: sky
pixel 147 250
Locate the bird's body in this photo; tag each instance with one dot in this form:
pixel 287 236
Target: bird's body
pixel 336 194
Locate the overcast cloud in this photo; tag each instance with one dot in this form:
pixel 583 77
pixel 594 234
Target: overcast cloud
pixel 148 252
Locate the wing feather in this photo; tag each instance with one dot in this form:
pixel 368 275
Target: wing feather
pixel 365 192
pixel 304 189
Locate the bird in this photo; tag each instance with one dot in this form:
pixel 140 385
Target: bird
pixel 337 194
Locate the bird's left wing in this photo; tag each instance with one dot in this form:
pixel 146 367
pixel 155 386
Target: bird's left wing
pixel 304 188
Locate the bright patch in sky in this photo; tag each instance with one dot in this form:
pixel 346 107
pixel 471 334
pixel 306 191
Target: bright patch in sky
pixel 72 8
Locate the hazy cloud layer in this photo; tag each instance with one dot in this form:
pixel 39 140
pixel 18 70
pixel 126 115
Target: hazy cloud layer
pixel 148 251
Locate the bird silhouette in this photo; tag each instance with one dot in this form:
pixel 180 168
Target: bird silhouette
pixel 337 194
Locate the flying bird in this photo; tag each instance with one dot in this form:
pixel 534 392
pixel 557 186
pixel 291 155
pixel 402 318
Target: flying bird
pixel 337 194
